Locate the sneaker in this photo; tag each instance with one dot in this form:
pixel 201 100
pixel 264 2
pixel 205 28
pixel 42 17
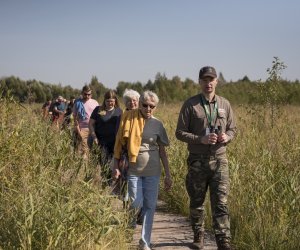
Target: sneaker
pixel 143 246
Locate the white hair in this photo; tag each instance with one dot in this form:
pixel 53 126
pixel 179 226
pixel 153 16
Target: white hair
pixel 130 94
pixel 149 95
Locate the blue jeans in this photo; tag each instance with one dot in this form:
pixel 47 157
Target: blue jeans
pixel 143 192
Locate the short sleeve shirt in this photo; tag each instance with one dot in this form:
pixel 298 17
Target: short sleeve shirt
pixel 148 160
pixel 89 106
pixel 106 126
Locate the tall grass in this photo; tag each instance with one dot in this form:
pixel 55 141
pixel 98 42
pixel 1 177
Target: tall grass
pixel 44 203
pixel 265 177
pixel 265 174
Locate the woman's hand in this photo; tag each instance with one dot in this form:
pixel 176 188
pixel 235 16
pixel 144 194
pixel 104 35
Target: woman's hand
pixel 95 140
pixel 168 183
pixel 79 134
pixel 116 173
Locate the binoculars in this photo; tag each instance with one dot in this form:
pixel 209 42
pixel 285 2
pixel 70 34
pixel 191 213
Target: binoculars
pixel 215 130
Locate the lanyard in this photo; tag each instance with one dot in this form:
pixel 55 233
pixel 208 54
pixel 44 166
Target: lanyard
pixel 211 116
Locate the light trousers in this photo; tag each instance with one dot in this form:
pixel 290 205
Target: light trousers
pixel 143 193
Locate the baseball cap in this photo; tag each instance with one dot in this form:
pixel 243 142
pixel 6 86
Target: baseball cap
pixel 207 71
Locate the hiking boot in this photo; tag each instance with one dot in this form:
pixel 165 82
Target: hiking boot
pixel 198 242
pixel 223 244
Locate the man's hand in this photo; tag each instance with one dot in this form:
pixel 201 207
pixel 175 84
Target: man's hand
pixel 223 138
pixel 211 138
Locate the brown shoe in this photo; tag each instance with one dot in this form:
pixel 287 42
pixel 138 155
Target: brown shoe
pixel 223 244
pixel 198 242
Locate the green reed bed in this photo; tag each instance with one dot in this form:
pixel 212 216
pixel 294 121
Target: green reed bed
pixel 265 182
pixel 44 203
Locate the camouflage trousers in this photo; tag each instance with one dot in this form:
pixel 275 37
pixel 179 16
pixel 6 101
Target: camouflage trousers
pixel 209 172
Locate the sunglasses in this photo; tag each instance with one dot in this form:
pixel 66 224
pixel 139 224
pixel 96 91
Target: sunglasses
pixel 148 105
pixel 87 94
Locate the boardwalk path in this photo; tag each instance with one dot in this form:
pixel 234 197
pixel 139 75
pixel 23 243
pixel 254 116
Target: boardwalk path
pixel 172 231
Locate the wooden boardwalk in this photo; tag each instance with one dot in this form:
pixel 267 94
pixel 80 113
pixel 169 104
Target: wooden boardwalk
pixel 172 231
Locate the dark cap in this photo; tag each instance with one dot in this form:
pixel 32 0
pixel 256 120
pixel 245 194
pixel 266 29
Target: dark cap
pixel 207 71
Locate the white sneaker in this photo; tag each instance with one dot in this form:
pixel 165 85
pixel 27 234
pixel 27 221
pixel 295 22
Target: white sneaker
pixel 142 245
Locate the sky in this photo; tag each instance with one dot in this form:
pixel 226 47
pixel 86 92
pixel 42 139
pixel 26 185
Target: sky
pixel 70 41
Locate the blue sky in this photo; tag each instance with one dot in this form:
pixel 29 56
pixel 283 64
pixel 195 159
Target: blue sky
pixel 69 41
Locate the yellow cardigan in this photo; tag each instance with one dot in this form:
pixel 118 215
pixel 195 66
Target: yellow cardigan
pixel 130 133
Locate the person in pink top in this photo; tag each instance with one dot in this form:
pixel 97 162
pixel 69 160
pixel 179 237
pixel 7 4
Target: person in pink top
pixel 82 110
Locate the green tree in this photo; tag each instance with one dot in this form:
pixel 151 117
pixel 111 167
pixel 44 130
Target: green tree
pixel 36 91
pixel 245 79
pixel 97 88
pixel 122 86
pixel 149 86
pixel 221 79
pixel 272 94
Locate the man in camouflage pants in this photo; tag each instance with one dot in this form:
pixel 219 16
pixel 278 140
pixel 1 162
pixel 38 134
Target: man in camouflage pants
pixel 206 124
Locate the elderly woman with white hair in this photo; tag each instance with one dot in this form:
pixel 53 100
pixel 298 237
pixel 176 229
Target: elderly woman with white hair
pixel 131 99
pixel 145 138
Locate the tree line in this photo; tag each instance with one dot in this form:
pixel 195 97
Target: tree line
pixel 243 91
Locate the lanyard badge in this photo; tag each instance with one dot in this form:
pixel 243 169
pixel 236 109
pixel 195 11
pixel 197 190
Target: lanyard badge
pixel 210 115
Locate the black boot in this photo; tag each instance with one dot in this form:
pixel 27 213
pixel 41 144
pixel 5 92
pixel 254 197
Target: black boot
pixel 198 242
pixel 223 244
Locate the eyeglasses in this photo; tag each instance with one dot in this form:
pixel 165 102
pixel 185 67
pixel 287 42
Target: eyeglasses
pixel 87 94
pixel 148 105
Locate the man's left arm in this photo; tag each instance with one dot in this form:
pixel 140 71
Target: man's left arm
pixel 231 125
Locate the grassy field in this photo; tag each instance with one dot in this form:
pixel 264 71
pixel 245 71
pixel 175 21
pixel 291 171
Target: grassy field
pixel 45 204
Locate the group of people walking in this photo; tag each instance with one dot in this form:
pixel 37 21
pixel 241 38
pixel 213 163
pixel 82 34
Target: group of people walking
pixel 134 140
pixel 58 111
pixel 137 133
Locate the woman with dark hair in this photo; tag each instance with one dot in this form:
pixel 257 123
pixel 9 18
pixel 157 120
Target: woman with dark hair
pixel 104 124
